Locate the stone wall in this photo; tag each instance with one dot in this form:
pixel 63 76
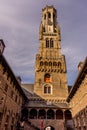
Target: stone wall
pixel 79 100
pixel 78 105
pixel 10 101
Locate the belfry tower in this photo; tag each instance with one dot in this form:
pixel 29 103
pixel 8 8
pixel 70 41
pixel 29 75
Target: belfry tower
pixel 50 69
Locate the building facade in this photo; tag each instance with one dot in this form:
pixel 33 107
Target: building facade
pixel 47 107
pixel 12 97
pixel 78 98
pixel 50 69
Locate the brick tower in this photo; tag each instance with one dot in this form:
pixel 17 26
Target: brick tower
pixel 50 69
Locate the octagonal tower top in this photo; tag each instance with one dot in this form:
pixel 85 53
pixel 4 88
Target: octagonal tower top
pixel 49 19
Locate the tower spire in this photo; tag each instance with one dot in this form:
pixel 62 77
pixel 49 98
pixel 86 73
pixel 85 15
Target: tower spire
pixel 50 74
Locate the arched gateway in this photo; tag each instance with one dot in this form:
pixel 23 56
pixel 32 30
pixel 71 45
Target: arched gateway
pixel 49 128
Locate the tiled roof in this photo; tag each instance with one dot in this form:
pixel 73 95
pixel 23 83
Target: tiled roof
pixel 36 101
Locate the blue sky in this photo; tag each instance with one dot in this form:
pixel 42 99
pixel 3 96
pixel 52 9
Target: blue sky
pixel 19 28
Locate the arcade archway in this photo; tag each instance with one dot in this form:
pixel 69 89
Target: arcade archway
pixel 33 114
pixel 24 114
pixel 68 115
pixel 59 114
pixel 49 128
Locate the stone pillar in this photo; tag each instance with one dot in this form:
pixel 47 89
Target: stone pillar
pixel 46 113
pixel 64 120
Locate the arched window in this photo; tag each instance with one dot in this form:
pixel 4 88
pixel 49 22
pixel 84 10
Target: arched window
pixel 49 15
pixel 68 115
pixel 41 63
pixel 47 89
pixel 46 63
pixel 47 78
pixel 47 43
pixel 51 43
pixel 59 114
pixel 59 65
pixel 33 114
pixel 50 63
pixel 42 114
pixel 50 114
pixel 54 64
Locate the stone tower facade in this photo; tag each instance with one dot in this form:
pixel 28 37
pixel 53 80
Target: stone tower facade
pixel 50 69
